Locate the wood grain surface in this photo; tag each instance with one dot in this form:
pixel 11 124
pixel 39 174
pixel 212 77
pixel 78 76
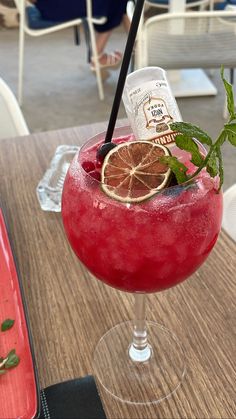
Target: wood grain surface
pixel 70 310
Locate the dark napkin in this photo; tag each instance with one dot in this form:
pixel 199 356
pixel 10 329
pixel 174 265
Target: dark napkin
pixel 74 399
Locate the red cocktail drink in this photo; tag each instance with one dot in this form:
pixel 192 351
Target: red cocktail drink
pixel 140 247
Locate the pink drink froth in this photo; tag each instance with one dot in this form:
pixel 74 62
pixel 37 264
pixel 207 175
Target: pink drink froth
pixel 142 247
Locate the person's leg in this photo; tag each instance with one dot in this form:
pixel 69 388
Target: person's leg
pixel 116 13
pixel 101 40
pixel 107 60
pixel 126 22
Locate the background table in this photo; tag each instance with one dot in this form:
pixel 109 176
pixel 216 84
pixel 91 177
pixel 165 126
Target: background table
pixel 69 309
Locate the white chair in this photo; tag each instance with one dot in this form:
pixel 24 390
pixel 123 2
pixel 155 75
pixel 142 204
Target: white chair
pixel 188 40
pixel 164 4
pixel 12 122
pixel 229 212
pixel 25 29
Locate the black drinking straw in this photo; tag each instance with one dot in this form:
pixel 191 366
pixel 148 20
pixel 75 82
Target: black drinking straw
pixel 124 68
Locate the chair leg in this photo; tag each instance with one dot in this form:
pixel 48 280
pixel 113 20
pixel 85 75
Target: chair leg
pixel 76 35
pixel 95 60
pixel 87 39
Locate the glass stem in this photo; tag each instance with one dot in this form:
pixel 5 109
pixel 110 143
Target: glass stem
pixel 139 349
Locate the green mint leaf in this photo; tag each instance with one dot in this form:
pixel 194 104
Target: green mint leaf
pixel 12 359
pixel 188 144
pixel 231 133
pixel 229 94
pixel 212 165
pixel 178 168
pixel 7 324
pixel 191 131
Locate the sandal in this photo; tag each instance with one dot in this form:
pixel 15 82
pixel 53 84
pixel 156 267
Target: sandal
pixel 111 61
pixel 104 73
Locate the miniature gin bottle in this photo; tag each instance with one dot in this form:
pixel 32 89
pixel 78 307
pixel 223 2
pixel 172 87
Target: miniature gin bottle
pixel 150 105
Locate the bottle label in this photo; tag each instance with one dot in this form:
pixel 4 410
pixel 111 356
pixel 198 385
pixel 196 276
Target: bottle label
pixel 154 108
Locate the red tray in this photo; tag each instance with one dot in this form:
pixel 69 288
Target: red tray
pixel 19 390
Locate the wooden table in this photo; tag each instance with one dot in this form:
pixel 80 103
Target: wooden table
pixel 69 310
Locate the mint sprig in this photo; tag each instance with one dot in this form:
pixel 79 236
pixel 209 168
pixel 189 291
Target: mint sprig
pixel 187 132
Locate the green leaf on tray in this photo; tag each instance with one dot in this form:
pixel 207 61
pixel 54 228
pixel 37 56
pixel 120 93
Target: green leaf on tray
pixel 12 359
pixel 7 324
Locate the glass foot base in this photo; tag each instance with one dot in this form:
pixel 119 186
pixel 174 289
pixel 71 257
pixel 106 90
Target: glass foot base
pixel 139 382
